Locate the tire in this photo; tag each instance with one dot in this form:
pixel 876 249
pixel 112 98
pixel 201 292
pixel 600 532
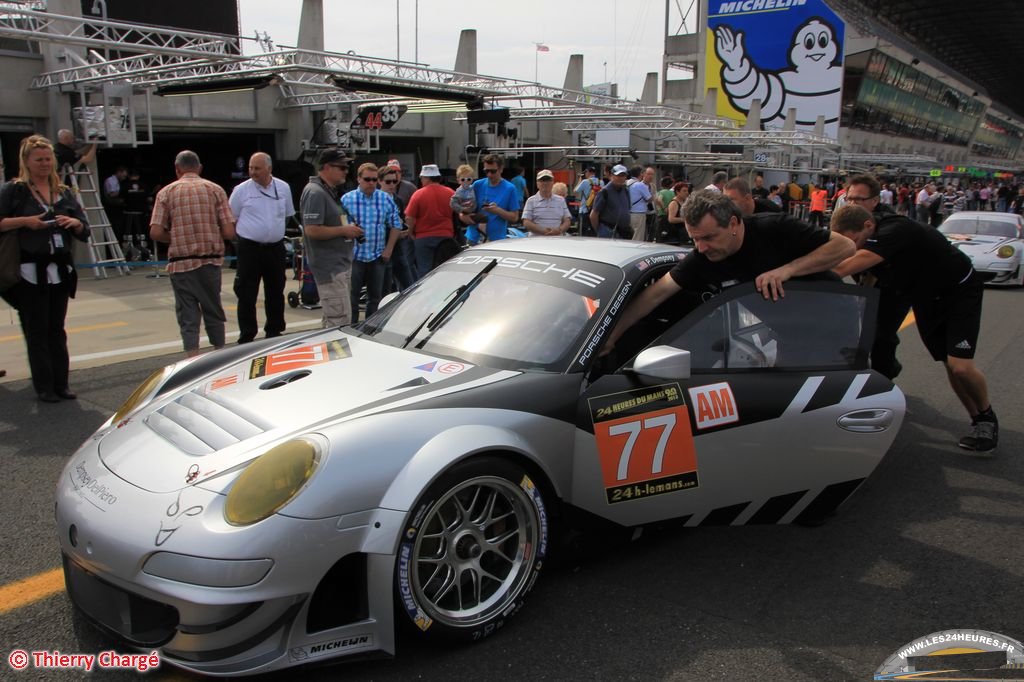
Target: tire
pixel 473 547
pixel 293 299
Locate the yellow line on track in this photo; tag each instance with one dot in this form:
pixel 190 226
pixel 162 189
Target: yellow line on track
pixel 32 589
pixel 908 321
pixel 74 330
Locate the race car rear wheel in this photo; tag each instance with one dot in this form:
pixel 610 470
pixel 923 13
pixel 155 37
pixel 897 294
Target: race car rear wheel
pixel 472 549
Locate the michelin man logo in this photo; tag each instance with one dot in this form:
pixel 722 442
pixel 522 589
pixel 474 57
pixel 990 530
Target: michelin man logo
pixel 812 86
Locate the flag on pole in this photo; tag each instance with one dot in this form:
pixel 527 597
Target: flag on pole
pixel 541 47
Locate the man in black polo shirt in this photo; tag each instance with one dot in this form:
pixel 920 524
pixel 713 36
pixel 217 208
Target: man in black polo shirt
pixel 945 294
pixel 610 214
pixel 730 248
pixel 864 191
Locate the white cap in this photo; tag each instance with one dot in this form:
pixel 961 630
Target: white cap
pixel 430 171
pixel 619 169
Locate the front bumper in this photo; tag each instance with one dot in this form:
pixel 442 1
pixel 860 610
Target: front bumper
pixel 166 572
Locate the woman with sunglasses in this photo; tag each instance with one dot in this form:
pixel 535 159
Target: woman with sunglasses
pixel 45 216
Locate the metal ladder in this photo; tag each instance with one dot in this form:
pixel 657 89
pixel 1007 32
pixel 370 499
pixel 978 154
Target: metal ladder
pixel 104 249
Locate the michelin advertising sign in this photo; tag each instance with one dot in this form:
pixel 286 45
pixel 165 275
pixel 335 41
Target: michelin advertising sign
pixel 786 53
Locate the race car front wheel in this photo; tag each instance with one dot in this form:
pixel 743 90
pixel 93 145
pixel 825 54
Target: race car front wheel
pixel 471 550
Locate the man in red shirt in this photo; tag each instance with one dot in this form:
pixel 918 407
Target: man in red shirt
pixel 429 217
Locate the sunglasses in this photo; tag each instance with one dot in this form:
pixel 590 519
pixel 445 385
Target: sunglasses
pixel 492 171
pixel 368 179
pixel 391 182
pixel 338 165
pixel 465 179
pixel 545 179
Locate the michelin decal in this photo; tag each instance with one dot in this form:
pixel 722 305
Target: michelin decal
pixel 805 74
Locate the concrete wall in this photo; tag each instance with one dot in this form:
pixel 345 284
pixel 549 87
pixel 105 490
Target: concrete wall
pixel 18 72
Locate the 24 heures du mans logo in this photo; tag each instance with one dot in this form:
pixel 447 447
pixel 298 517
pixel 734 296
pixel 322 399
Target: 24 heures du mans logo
pixel 956 655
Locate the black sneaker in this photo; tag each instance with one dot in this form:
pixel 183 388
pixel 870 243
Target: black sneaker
pixel 984 437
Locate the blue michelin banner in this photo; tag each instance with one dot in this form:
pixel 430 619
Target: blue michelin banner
pixel 786 53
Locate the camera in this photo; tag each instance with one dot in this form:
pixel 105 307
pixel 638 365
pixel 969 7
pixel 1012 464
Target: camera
pixel 51 223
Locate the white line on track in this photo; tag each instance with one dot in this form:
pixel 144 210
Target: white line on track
pixel 168 344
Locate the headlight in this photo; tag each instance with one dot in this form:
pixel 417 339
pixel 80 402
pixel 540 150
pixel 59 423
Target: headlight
pixel 142 394
pixel 271 481
pixel 1005 251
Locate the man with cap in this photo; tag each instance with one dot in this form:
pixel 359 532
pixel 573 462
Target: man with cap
pixel 546 213
pixel 496 198
pixel 262 205
pixel 610 214
pixel 429 217
pixel 375 212
pixel 328 238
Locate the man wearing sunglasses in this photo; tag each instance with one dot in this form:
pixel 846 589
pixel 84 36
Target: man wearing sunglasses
pixel 328 239
pixel 375 212
pixel 496 198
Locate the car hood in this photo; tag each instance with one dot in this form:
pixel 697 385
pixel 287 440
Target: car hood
pixel 977 244
pixel 243 408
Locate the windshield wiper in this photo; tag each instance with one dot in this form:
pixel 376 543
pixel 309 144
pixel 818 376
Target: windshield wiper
pixel 434 322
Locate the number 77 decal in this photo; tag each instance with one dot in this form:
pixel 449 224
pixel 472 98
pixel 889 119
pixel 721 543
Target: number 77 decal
pixel 644 442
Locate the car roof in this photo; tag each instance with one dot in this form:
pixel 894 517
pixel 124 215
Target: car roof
pixel 620 252
pixel 986 215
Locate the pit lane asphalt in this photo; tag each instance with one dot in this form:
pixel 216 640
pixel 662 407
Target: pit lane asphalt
pixel 932 541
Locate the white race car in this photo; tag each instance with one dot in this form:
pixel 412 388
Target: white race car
pixel 300 498
pixel 992 241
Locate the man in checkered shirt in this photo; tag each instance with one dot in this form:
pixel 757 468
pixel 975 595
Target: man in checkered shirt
pixel 375 212
pixel 193 216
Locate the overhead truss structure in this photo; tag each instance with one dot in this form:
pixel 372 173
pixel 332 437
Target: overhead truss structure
pixel 150 57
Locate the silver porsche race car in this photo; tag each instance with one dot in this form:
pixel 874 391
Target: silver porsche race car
pixel 993 241
pixel 302 498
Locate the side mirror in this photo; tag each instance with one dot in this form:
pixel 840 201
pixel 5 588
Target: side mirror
pixel 663 362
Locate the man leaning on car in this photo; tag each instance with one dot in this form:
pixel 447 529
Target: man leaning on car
pixel 730 248
pixel 945 294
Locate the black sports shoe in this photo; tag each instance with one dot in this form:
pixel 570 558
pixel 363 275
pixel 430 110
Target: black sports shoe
pixel 984 437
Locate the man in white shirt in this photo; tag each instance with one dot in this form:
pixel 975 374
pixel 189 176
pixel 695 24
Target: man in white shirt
pixel 885 196
pixel 546 213
pixel 924 199
pixel 718 182
pixel 262 206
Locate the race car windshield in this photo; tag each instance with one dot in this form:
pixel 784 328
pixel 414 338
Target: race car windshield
pixel 979 226
pixel 525 314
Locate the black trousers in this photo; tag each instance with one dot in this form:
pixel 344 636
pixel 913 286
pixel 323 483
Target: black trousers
pixel 42 310
pixel 892 310
pixel 257 261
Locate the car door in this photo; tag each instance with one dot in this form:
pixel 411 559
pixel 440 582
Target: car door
pixel 778 417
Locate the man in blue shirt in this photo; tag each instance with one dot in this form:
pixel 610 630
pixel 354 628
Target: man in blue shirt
pixel 639 197
pixel 376 213
pixel 497 198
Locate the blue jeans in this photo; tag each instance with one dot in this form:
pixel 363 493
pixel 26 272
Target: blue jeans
pixel 372 276
pixel 425 248
pixel 605 232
